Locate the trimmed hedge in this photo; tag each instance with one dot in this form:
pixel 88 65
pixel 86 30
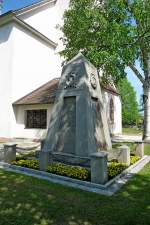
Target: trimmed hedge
pixel 134 159
pixel 27 156
pixel 76 172
pixel 69 171
pixel 115 169
pixel 33 164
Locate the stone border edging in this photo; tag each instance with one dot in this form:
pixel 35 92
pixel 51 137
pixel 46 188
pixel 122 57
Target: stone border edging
pixel 108 189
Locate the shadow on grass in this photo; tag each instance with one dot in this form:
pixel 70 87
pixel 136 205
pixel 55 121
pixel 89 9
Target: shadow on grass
pixel 26 200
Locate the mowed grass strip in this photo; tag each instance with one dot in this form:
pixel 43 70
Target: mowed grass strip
pixel 131 131
pixel 29 201
pixel 147 149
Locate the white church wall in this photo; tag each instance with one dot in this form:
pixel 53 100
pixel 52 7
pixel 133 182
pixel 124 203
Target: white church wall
pixel 34 64
pixel 20 131
pixel 61 6
pixel 6 54
pixel 117 115
pixel 27 63
pixel 46 19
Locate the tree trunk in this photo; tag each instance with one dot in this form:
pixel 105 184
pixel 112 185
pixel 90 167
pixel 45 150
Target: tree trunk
pixel 146 100
pixel 146 96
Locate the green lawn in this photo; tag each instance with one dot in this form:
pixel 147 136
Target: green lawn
pixel 131 131
pixel 147 149
pixel 25 201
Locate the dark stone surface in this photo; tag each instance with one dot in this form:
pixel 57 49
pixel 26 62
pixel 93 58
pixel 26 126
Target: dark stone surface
pixel 67 129
pixel 78 124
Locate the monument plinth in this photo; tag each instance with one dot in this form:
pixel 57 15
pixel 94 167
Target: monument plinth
pixel 78 125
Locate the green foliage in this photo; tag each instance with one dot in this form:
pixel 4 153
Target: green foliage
pixel 33 164
pixel 76 172
pixel 111 34
pixel 27 200
pixel 69 171
pixel 130 113
pixel 134 159
pixel 147 149
pixel 115 168
pixel 132 130
pixel 27 155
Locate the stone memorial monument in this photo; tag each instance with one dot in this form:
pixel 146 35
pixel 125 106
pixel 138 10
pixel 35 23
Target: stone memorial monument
pixel 78 125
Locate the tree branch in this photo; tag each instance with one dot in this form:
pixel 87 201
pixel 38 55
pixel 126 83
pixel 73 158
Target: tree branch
pixel 137 73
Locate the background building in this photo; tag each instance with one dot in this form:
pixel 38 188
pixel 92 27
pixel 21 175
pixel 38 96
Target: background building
pixel 29 58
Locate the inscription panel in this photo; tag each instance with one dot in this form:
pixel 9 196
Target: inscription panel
pixel 67 128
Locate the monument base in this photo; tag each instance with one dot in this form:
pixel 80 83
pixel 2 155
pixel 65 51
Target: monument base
pixel 70 159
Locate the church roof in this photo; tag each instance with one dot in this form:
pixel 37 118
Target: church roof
pixel 47 92
pixel 110 88
pixel 42 95
pixel 34 6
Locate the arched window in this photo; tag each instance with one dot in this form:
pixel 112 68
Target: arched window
pixel 111 110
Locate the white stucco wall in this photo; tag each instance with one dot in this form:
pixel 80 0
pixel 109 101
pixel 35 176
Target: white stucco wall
pixel 118 115
pixel 33 63
pixel 46 18
pixel 43 19
pixel 27 63
pixel 19 129
pixel 6 54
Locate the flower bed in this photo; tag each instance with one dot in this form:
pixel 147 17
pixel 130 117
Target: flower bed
pixel 77 172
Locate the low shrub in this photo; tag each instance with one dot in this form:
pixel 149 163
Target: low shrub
pixel 33 164
pixel 115 168
pixel 56 168
pixel 69 171
pixel 76 172
pixel 27 156
pixel 134 159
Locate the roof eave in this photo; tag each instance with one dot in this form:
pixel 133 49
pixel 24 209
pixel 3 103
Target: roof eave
pixel 11 17
pixel 32 103
pixel 6 18
pixel 34 7
pixel 35 32
pixel 110 91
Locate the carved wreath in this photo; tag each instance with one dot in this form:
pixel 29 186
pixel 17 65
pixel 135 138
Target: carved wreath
pixel 71 81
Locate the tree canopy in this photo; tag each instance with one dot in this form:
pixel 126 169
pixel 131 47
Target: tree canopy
pixel 111 34
pixel 130 111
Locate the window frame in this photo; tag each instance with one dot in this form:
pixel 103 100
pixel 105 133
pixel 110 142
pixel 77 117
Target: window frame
pixel 33 126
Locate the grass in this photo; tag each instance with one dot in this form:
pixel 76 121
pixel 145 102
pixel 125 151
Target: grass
pixel 29 201
pixel 147 149
pixel 131 131
pixel 132 147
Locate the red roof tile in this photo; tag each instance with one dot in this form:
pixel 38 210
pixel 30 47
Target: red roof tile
pixel 43 95
pixel 46 94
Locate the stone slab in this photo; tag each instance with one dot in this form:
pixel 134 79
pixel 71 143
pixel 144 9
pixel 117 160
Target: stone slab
pixel 71 159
